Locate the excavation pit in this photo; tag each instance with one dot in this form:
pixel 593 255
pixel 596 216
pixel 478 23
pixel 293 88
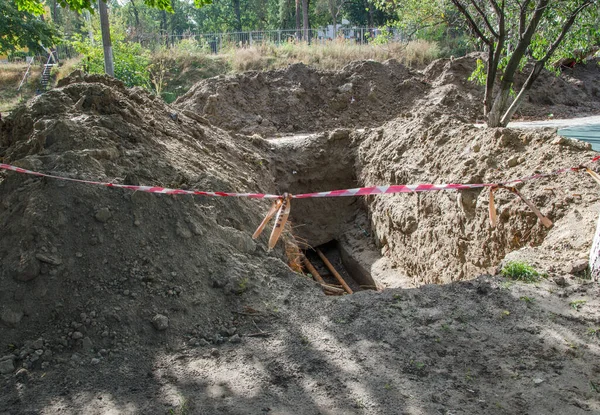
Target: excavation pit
pixel 348 268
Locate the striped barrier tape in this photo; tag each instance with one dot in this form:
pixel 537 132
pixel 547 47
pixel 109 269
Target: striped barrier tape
pixel 280 209
pixel 360 191
pixel 149 189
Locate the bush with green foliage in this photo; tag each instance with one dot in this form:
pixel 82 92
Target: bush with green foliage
pixel 20 29
pixel 131 60
pixel 520 271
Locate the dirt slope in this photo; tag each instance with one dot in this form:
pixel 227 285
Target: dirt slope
pixel 120 302
pixel 87 268
pixel 446 236
pixel 366 94
pixel 301 98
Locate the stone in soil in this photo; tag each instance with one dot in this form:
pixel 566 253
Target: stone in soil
pixel 7 366
pixel 160 322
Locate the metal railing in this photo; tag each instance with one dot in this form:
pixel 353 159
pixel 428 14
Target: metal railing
pixel 215 42
pixel 26 76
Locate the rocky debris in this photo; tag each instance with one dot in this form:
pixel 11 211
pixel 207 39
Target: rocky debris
pixel 103 215
pixel 38 344
pixel 48 259
pixel 160 322
pixel 28 267
pixel 7 365
pixel 561 281
pixel 11 317
pixel 578 266
pixel 513 161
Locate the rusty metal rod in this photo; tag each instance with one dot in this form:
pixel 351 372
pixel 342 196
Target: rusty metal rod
pixel 334 272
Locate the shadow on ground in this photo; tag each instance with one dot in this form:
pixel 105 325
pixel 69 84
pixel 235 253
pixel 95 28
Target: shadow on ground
pixel 484 346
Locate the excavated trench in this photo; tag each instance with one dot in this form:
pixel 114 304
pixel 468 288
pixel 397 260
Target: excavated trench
pixel 409 239
pixel 421 133
pixel 337 227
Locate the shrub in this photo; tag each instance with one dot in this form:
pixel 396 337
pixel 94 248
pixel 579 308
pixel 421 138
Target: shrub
pixel 130 59
pixel 520 271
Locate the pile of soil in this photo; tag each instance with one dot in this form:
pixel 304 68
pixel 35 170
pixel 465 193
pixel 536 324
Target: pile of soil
pixel 446 236
pixel 89 268
pixel 122 302
pixel 303 99
pixel 368 93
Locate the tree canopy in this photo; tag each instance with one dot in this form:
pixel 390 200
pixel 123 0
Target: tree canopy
pixel 21 29
pixel 513 33
pixel 37 6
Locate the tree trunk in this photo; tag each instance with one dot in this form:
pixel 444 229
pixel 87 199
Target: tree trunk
pixel 238 15
pixel 535 72
pixel 489 82
pixel 54 14
pixel 500 105
pixel 595 255
pixel 88 23
pixel 165 27
pixel 298 20
pixel 305 4
pixel 334 16
pixel 173 23
pixel 136 14
pixel 109 67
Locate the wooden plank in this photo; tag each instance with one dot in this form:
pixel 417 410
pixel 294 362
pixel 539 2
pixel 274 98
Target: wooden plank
pixel 312 270
pixel 334 272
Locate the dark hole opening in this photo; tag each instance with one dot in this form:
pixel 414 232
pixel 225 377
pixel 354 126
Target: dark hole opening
pixel 354 275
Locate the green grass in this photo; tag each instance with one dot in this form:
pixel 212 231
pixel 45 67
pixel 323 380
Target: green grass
pixel 527 300
pixel 520 271
pixel 577 304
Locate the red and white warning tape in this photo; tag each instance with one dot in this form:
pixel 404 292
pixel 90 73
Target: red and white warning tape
pixel 360 191
pixel 149 189
pixel 281 206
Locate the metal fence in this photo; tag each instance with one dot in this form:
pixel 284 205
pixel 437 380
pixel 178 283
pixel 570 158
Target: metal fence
pixel 215 42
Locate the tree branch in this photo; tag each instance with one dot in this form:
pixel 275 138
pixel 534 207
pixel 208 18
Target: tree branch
pixel 471 22
pixel 485 19
pixel 523 17
pixel 496 7
pixel 419 27
pixel 565 29
pixel 524 42
pixel 539 65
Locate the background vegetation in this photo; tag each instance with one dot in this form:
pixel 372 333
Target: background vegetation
pixel 155 48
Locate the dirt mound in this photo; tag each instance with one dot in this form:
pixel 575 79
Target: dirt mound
pixel 300 98
pixel 144 303
pixel 368 93
pixel 575 93
pixel 86 268
pixel 440 237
